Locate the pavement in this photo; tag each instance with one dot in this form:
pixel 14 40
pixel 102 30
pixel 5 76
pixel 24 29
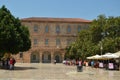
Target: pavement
pixel 39 71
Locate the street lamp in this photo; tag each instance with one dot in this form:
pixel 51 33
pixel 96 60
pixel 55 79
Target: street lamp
pixel 101 47
pixel 104 34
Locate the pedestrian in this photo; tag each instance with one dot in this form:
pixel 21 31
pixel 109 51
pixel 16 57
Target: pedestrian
pixel 14 61
pixel 3 63
pixel 80 66
pixel 92 64
pixel 7 65
pixel 11 64
pixel 54 61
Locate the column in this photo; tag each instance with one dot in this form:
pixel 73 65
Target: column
pixel 63 55
pixel 40 57
pixel 52 57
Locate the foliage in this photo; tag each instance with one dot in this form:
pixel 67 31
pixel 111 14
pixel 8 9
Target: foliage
pixel 14 37
pixel 103 32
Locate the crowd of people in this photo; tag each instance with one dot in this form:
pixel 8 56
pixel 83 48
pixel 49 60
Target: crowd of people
pixel 75 62
pixel 107 64
pixel 8 63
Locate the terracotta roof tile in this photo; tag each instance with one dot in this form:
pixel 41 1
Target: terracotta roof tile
pixel 46 19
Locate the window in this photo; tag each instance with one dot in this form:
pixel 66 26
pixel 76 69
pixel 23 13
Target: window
pixel 79 28
pixel 34 57
pixel 49 57
pixel 57 41
pixel 68 42
pixel 46 41
pixel 46 29
pixel 21 54
pixel 68 29
pixel 35 41
pixel 57 29
pixel 35 28
pixel 86 26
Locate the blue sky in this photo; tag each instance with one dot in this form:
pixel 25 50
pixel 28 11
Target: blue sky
pixel 86 9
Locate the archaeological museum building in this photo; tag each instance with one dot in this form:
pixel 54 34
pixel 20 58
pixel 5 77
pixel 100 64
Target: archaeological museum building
pixel 49 38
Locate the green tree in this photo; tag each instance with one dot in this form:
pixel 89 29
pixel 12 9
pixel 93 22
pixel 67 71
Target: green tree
pixel 107 31
pixel 102 36
pixel 84 45
pixel 71 51
pixel 97 28
pixel 14 37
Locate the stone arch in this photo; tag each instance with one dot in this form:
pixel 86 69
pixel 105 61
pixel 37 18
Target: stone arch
pixel 46 57
pixel 34 57
pixel 58 56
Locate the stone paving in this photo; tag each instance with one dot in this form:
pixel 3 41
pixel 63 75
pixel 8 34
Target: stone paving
pixel 39 71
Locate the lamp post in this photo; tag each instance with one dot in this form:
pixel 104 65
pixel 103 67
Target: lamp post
pixel 104 34
pixel 101 47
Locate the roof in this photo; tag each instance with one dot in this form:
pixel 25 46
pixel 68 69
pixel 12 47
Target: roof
pixel 46 19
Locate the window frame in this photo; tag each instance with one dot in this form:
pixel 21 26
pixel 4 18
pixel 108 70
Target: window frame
pixel 57 29
pixel 79 28
pixel 46 29
pixel 58 42
pixel 35 28
pixel 46 42
pixel 69 29
pixel 21 54
pixel 68 42
pixel 35 41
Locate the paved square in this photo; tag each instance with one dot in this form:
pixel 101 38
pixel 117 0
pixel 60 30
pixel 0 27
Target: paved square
pixel 39 71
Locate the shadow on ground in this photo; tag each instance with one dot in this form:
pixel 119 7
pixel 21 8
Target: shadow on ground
pixel 19 68
pixel 23 68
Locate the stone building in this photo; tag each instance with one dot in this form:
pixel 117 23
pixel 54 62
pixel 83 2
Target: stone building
pixel 50 37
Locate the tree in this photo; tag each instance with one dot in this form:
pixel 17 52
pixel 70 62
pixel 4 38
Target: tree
pixel 14 37
pixel 97 28
pixel 71 51
pixel 84 45
pixel 102 36
pixel 107 31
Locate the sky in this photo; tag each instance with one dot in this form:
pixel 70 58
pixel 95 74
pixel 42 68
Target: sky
pixel 86 9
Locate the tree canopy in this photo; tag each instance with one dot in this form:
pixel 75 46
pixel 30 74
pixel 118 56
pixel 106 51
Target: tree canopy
pixel 102 35
pixel 14 37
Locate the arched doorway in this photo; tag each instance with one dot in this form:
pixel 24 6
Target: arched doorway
pixel 46 57
pixel 35 57
pixel 57 57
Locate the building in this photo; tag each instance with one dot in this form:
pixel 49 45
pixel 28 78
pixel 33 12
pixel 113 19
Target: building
pixel 50 37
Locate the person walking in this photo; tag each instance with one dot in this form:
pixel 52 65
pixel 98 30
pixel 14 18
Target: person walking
pixel 11 63
pixel 80 66
pixel 55 61
pixel 7 65
pixel 14 61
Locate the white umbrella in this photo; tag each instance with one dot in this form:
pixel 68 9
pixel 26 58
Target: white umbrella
pixel 117 53
pixel 110 55
pixel 95 57
pixel 91 57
